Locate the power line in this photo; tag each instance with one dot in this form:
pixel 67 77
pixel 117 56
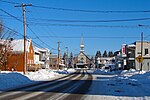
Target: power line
pixel 83 25
pixel 78 37
pixel 10 2
pixel 39 38
pixel 11 15
pixel 89 11
pixel 95 21
pixel 80 10
pixel 23 35
pixel 27 26
pixel 30 20
pixel 11 29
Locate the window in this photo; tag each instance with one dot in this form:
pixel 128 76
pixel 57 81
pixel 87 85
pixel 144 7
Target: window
pixel 146 51
pixel 147 64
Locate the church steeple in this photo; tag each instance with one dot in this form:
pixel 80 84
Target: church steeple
pixel 82 45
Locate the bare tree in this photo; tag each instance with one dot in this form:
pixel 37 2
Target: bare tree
pixel 1 29
pixel 5 47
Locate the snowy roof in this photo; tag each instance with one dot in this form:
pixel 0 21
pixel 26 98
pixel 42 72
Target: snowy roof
pixel 36 49
pixel 131 45
pixel 18 45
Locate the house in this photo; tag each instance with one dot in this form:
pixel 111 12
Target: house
pixel 16 59
pixel 37 63
pixel 118 59
pixel 53 61
pixel 41 56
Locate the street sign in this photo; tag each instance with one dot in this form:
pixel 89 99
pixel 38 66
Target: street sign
pixel 139 59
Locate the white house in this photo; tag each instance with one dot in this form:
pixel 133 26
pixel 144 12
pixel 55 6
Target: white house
pixel 41 56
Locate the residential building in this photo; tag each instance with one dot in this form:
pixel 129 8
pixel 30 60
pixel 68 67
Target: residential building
pixel 37 63
pixel 41 56
pixel 53 61
pixel 118 59
pixel 16 59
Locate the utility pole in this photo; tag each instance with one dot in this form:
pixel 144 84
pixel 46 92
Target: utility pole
pixel 58 54
pixel 141 48
pixel 24 24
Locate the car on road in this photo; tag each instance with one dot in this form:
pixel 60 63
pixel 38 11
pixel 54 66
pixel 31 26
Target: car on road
pixel 110 67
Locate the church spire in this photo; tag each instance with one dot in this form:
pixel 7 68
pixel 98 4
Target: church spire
pixel 82 45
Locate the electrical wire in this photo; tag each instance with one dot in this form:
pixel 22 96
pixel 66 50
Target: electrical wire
pixel 23 35
pixel 30 20
pixel 11 15
pixel 78 37
pixel 89 11
pixel 93 21
pixel 10 2
pixel 39 38
pixel 27 26
pixel 84 25
pixel 80 10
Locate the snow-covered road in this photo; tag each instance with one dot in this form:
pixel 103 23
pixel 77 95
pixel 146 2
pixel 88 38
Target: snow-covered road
pixel 77 83
pixel 98 85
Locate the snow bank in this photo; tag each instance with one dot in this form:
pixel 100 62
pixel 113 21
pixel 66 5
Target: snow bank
pixel 42 75
pixel 104 72
pixel 131 72
pixel 65 71
pixel 129 84
pixel 9 80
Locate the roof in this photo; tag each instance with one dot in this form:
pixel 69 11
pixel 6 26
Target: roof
pixel 36 49
pixel 131 45
pixel 143 41
pixel 83 54
pixel 18 45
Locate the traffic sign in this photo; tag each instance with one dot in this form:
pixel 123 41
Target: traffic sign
pixel 139 59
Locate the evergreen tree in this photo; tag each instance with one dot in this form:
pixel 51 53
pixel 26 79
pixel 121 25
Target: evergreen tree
pixel 64 57
pixel 105 54
pixel 98 54
pixel 71 60
pixel 110 54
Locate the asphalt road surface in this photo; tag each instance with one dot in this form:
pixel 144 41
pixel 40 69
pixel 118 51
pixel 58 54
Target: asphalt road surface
pixel 71 87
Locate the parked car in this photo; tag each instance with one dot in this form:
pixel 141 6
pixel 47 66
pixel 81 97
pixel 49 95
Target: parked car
pixel 110 67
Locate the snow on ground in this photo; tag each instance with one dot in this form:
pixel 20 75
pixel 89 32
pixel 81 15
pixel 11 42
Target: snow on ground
pixel 106 85
pixel 127 85
pixel 41 75
pixel 10 79
pixel 47 74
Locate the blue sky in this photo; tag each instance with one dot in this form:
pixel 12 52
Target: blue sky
pixel 95 38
